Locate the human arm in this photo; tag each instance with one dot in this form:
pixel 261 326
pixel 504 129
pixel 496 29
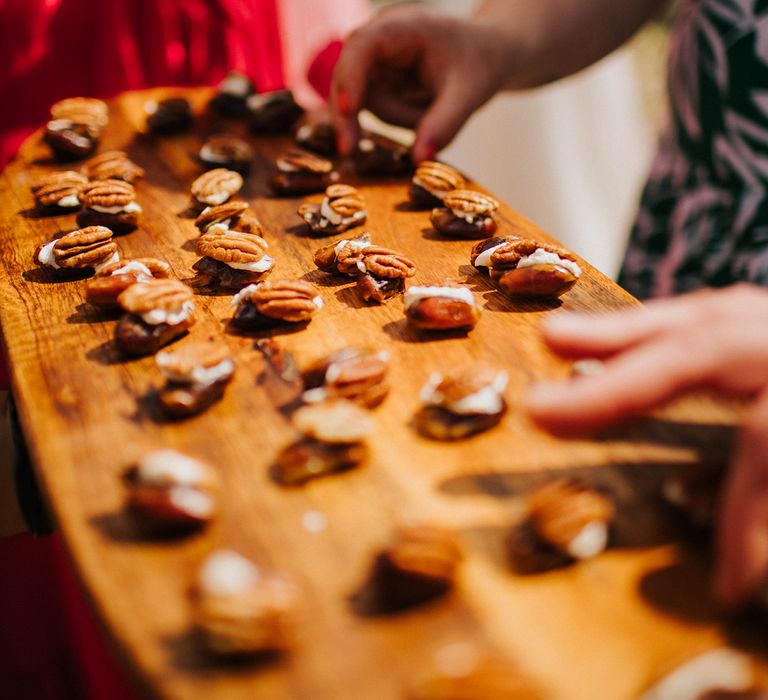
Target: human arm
pixel 429 71
pixel 713 339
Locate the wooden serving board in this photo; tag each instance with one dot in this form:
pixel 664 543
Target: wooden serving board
pixel 603 629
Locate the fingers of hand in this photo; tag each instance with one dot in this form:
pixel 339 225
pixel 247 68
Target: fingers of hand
pixel 637 380
pixel 742 537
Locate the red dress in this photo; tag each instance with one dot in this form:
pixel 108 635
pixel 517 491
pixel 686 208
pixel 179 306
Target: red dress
pixel 50 648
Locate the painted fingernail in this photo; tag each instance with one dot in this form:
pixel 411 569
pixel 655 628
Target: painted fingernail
pixel 430 151
pixel 342 101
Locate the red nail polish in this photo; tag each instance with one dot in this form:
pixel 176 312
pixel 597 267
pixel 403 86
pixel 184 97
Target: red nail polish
pixel 342 101
pixel 341 145
pixel 430 151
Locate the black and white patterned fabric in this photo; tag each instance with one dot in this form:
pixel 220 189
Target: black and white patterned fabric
pixel 703 220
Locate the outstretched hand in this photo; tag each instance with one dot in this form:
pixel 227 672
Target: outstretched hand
pixel 710 339
pixel 418 69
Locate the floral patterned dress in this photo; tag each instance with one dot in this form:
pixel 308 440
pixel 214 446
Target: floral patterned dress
pixel 703 220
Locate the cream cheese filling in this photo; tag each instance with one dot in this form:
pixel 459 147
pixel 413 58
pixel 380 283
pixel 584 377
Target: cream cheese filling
pixel 226 572
pixel 262 265
pixel 484 259
pixel 199 376
pixel 169 468
pixel 415 294
pixel 172 318
pixel 69 202
pixel 544 257
pixel 46 256
pixel 129 208
pixel 487 401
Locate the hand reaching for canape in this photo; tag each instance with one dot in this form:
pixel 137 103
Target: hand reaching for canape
pixel 708 339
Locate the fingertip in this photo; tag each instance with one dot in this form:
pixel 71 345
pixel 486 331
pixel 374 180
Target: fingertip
pixel 424 148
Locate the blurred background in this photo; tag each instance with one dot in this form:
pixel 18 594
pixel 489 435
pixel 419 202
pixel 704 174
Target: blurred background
pixel 572 156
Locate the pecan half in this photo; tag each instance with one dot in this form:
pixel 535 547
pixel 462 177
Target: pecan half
pixel 216 186
pixel 342 256
pixel 383 274
pixel 469 202
pixel 566 521
pixel 466 214
pixel 450 307
pixel 291 301
pixel 232 247
pixel 526 268
pixel 113 279
pixel 198 362
pixel 418 565
pixel 227 151
pixel 170 489
pixel 112 165
pixel 82 110
pixel 226 215
pixel 385 263
pixel 308 459
pixel 240 608
pixel 303 161
pixel 84 248
pixel 480 256
pixel 351 373
pixel 343 208
pixel 334 421
pixel 59 190
pixel 432 181
pixel 107 194
pixel 462 403
pixel 197 374
pixel 164 295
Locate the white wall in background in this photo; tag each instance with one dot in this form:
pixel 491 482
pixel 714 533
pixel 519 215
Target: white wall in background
pixel 572 156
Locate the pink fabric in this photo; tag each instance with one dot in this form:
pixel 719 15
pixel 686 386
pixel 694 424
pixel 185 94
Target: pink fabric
pixel 50 647
pixel 308 29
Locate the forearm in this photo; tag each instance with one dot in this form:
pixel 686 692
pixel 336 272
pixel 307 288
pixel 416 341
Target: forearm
pixel 550 39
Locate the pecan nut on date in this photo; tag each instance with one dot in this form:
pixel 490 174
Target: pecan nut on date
pixel 172 115
pixel 317 137
pixel 341 257
pixel 382 274
pixel 241 609
pixel 232 94
pixel 466 214
pixel 299 172
pixel 157 312
pixel 342 208
pixel 170 491
pixel 418 565
pixel 78 252
pixel 59 192
pixel 351 373
pixel 566 521
pixel 215 187
pixel 377 155
pixel 462 403
pixel 227 151
pixel 231 260
pixel 75 127
pixel 114 278
pixel 110 203
pixel 270 112
pixel 275 303
pixel 480 256
pixel 441 308
pixel 197 374
pixel 431 182
pixel 529 269
pixel 235 216
pixel 112 165
pixel 462 671
pixel 333 440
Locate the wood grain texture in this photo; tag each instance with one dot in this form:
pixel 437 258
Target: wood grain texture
pixel 603 629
